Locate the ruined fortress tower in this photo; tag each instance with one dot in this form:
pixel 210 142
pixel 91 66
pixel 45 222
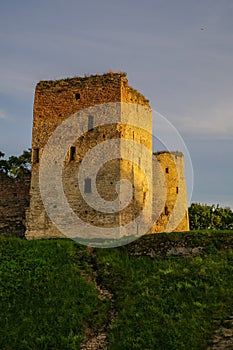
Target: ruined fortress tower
pixel 161 192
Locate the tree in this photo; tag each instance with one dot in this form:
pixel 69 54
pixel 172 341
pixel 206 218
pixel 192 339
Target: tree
pixel 202 217
pixel 4 167
pixel 16 166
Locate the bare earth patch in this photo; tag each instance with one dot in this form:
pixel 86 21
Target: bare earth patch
pixel 223 339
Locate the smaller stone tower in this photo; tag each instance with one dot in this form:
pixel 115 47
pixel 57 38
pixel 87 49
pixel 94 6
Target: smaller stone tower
pixel 170 197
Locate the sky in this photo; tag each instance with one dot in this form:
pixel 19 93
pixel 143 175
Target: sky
pixel 178 53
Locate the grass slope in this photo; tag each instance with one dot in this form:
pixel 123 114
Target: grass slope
pixel 161 303
pixel 45 301
pixel 168 303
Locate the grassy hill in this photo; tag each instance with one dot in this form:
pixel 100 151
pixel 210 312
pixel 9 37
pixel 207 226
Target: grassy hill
pixel 166 291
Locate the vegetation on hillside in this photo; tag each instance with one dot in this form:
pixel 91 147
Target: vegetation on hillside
pixel 203 217
pixel 47 299
pixel 170 303
pixel 16 166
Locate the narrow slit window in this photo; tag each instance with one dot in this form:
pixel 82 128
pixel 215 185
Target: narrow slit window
pixel 167 170
pixel 144 197
pixel 77 96
pixel 177 190
pixel 166 211
pixel 72 153
pixel 90 122
pixel 87 185
pixel 36 158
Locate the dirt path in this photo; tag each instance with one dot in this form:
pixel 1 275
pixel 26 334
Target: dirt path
pixel 98 340
pixel 223 339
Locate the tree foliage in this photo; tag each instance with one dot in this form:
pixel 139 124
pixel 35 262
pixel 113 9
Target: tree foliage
pixel 202 217
pixel 16 166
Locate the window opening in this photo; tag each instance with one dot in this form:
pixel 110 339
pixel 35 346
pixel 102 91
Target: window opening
pixel 36 155
pixel 87 187
pixel 72 153
pixel 90 122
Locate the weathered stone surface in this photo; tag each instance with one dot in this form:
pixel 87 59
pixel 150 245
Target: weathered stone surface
pixel 170 189
pixel 14 199
pixel 180 244
pixel 54 103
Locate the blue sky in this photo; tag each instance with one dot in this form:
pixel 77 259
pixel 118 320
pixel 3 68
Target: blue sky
pixel 179 53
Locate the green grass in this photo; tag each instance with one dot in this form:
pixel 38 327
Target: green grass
pixel 162 303
pixel 170 303
pixel 45 302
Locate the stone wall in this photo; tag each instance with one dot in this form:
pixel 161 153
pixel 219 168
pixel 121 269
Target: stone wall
pixel 180 244
pixel 14 200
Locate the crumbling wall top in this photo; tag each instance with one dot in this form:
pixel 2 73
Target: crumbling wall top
pixel 173 153
pixel 105 79
pixel 77 81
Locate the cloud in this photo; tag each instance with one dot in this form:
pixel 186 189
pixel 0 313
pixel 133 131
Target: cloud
pixel 215 120
pixel 212 118
pixel 3 115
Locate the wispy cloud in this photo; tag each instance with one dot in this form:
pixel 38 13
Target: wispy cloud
pixel 215 120
pixel 3 115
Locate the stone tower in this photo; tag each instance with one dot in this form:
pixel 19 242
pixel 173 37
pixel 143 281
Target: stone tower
pixel 128 121
pixel 170 197
pixel 55 102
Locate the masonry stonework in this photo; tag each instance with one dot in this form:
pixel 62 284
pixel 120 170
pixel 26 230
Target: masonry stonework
pixel 170 190
pixel 55 101
pixel 14 200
